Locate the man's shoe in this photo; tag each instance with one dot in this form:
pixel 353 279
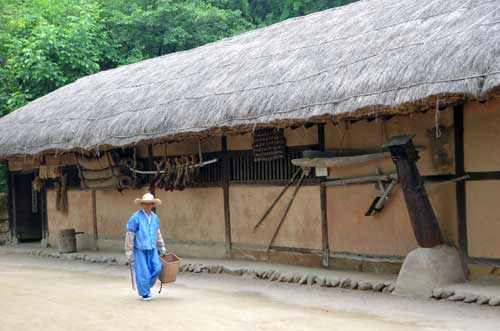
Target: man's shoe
pixel 146 298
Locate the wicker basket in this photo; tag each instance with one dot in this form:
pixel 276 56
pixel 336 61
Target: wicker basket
pixel 170 268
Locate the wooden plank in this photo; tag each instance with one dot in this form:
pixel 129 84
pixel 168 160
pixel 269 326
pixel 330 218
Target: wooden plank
pixel 94 217
pixel 225 189
pixel 321 136
pixel 10 199
pixel 14 221
pixel 461 198
pixel 422 217
pixel 324 227
pixel 343 161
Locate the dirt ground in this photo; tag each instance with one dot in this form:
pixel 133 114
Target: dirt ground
pixel 46 294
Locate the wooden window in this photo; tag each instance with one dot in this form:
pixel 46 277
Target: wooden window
pixel 245 169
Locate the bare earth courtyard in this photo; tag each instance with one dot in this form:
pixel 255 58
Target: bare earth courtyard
pixel 44 294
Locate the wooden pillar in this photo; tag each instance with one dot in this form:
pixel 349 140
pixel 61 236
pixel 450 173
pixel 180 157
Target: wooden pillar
pixel 422 217
pixel 323 204
pixel 225 189
pixel 150 166
pixel 44 213
pixel 94 218
pixel 12 185
pixel 458 122
pixel 324 227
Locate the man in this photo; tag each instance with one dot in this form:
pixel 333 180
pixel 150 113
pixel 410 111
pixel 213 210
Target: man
pixel 143 241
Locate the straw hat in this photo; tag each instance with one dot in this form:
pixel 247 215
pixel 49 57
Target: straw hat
pixel 148 198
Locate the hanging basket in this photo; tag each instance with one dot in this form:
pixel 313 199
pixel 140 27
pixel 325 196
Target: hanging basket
pixel 170 268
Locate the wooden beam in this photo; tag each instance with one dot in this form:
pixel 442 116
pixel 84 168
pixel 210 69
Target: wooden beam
pixel 14 222
pixel 321 136
pixel 10 200
pixel 226 172
pixel 458 121
pixel 342 161
pixel 94 218
pixel 324 227
pixel 422 217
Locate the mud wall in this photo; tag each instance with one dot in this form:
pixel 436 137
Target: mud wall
pixel 79 217
pixel 192 221
pixel 482 153
pixel 388 233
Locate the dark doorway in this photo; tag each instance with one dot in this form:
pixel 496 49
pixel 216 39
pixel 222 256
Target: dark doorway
pixel 28 209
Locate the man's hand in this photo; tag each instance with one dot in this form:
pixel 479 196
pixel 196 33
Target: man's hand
pixel 163 251
pixel 129 255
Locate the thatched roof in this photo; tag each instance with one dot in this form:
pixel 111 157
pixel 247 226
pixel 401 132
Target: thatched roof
pixel 367 56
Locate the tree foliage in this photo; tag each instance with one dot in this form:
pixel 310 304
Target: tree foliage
pixel 45 44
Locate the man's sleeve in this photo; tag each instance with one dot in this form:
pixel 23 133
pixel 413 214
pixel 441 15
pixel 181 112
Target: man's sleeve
pixel 160 244
pixel 130 233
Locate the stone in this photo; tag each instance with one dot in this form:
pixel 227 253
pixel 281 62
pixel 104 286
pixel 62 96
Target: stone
pixel 197 269
pixel 470 298
pixel 437 293
pixel 354 285
pixel 213 269
pixel 319 281
pixel 310 280
pixel 378 287
pixel 447 293
pixel 495 301
pixel 482 300
pixel 303 280
pixel 275 276
pixel 334 282
pixel 346 283
pixel 391 287
pixel 365 286
pixel 297 278
pixel 425 269
pixel 233 271
pixel 456 297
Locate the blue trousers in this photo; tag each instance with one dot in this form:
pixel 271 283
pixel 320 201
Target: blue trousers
pixel 147 266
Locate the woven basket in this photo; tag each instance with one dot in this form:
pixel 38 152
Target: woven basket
pixel 170 268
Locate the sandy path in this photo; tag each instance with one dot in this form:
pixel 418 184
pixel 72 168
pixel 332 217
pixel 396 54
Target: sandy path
pixel 39 294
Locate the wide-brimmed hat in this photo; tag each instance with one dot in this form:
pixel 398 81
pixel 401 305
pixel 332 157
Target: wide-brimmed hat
pixel 148 198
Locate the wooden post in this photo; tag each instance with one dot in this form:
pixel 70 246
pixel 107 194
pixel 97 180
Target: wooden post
pixel 423 219
pixel 94 218
pixel 225 189
pixel 458 122
pixel 323 203
pixel 12 183
pixel 44 213
pixel 324 227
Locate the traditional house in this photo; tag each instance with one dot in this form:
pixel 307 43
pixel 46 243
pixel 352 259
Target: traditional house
pixel 224 121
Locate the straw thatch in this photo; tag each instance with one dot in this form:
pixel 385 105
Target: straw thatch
pixel 369 56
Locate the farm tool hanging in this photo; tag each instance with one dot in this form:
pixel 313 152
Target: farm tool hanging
pixel 305 172
pixel 175 173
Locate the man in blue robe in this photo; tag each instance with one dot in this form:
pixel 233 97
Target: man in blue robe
pixel 144 243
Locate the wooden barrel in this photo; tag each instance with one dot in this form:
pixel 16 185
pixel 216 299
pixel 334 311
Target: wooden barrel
pixel 66 241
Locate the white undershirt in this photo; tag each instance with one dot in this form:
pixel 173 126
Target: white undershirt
pixel 148 216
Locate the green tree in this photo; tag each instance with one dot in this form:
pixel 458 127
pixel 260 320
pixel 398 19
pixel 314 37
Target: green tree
pixel 147 28
pixel 46 44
